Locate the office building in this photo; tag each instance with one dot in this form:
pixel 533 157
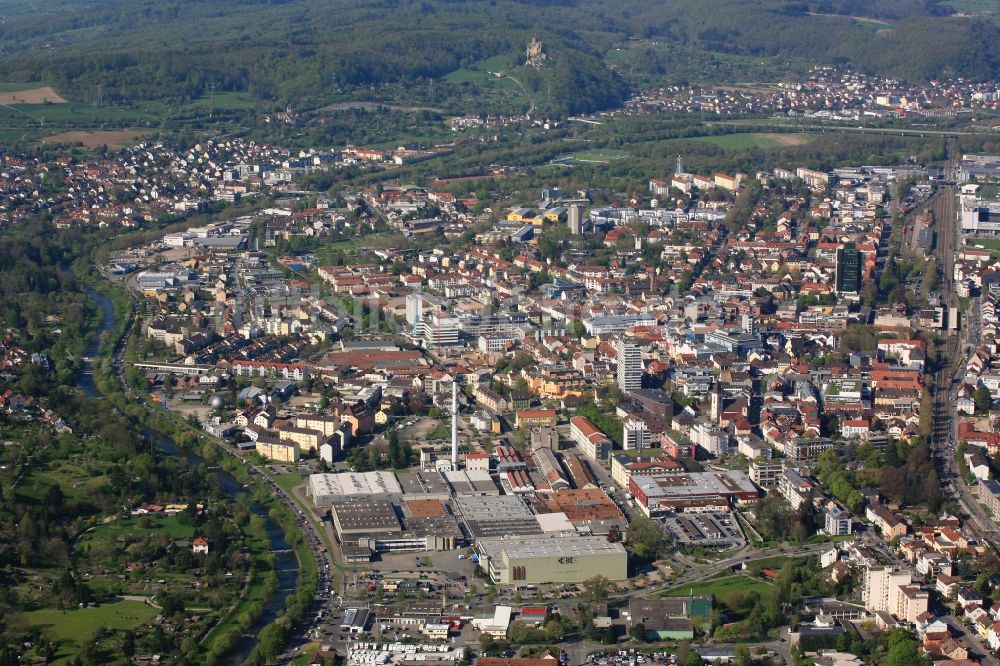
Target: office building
pixel 439 331
pixel 848 270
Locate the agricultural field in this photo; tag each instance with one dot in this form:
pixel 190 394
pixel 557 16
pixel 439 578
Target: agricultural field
pixel 14 93
pixel 113 139
pixel 71 114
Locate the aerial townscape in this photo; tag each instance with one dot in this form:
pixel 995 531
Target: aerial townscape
pixel 498 333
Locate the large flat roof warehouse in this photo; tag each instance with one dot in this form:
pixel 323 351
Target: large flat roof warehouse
pixel 496 516
pixel 471 482
pixel 551 546
pixel 697 483
pixel 364 516
pixel 428 485
pixel 551 558
pixel 326 488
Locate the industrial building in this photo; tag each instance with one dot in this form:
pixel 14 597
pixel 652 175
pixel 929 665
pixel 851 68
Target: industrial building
pixel 381 526
pixel 588 510
pixel 533 560
pixel 691 492
pixel 471 482
pixel 496 516
pixel 327 488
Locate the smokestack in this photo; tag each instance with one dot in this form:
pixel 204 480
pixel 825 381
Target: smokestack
pixel 454 424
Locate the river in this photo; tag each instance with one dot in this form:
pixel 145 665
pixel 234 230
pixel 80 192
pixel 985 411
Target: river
pixel 285 560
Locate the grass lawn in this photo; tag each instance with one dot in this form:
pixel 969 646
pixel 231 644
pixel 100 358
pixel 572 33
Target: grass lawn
pixel 721 586
pixel 985 243
pixel 641 453
pixel 441 431
pixel 479 73
pixel 159 525
pixel 368 242
pixel 288 480
pixel 501 92
pixel 75 627
pixel 75 481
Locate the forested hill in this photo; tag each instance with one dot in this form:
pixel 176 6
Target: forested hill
pixel 306 52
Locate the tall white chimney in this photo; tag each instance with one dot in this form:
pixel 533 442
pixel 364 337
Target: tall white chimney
pixel 454 424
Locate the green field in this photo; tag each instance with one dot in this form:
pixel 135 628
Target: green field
pixel 987 8
pixel 227 101
pixel 480 72
pixel 502 91
pixel 71 629
pixel 170 526
pixel 74 479
pixel 75 114
pixel 721 586
pixel 6 86
pixel 985 243
pixel 288 480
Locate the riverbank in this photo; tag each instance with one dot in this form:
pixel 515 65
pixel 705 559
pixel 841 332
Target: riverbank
pixel 261 598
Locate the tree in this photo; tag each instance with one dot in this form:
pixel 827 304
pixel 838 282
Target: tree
pixel 741 656
pixel 595 588
pixel 646 538
pixel 128 644
pixel 903 651
pixel 983 399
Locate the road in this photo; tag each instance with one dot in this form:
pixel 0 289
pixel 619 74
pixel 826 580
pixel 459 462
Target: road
pixel 853 129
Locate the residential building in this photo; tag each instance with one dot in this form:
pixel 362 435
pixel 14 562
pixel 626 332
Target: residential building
pixel 629 373
pixel 635 434
pixel 592 442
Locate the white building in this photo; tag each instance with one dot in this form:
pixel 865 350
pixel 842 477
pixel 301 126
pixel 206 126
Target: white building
pixel 630 368
pixel 635 435
pixel 439 331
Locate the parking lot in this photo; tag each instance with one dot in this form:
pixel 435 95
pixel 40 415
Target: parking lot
pixel 710 530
